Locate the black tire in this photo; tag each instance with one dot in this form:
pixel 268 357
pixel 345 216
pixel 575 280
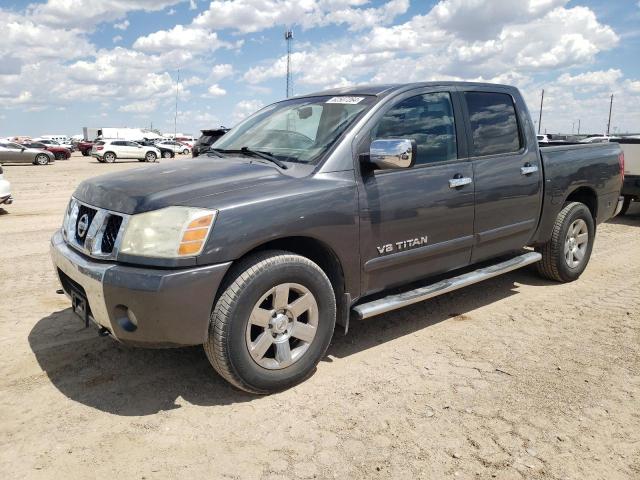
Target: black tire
pixel 166 154
pixel 58 156
pixel 554 264
pixel 109 157
pixel 249 280
pixel 150 157
pixel 625 205
pixel 41 159
pixel 185 151
pixel 85 153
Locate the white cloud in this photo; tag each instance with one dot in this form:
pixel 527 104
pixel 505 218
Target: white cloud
pixel 599 78
pixel 85 14
pixel 122 25
pixel 254 15
pixel 220 71
pixel 244 108
pixel 216 91
pixel 117 39
pixel 180 37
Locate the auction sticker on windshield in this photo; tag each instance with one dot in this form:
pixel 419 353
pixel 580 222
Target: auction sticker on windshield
pixel 346 100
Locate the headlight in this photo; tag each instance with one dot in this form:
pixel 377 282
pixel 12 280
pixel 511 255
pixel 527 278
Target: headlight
pixel 168 233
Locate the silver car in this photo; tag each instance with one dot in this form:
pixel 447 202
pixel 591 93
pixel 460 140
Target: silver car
pixel 11 152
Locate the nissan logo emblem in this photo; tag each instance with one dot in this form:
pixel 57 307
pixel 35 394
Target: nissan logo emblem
pixel 83 225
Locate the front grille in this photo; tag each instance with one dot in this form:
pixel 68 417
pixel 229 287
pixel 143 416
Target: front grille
pixel 94 231
pixel 90 213
pixel 111 233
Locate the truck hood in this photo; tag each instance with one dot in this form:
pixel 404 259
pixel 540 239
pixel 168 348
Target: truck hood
pixel 158 186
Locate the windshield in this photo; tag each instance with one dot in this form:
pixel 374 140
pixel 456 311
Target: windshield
pixel 299 130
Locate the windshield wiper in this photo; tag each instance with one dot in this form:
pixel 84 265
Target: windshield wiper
pixel 264 155
pixel 248 151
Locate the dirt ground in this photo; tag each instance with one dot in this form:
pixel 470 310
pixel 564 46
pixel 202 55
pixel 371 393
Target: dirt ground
pixel 512 378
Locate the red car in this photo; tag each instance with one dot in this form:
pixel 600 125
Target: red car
pixel 85 147
pixel 60 153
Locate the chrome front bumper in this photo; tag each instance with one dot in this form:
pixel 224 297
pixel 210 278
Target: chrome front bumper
pixel 141 306
pixel 88 274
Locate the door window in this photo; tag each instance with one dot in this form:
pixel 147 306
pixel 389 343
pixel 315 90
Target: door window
pixel 427 119
pixel 494 125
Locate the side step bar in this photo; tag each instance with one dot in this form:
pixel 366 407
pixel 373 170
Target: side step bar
pixel 393 302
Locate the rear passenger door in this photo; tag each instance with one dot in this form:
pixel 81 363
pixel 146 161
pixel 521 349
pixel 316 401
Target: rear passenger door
pixel 415 222
pixel 507 174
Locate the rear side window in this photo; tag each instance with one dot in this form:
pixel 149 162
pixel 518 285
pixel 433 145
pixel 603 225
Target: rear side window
pixel 427 119
pixel 494 124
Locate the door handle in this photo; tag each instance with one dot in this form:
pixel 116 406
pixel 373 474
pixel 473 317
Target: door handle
pixel 459 181
pixel 528 169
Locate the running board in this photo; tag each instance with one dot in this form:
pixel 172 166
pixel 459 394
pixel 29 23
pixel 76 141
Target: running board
pixel 393 302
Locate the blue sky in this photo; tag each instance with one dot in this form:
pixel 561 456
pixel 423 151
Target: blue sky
pixel 65 64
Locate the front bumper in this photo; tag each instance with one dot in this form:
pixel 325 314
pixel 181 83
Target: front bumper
pixel 141 306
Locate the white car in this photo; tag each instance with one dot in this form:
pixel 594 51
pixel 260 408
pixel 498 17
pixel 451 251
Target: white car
pixel 110 150
pixel 5 190
pixel 177 147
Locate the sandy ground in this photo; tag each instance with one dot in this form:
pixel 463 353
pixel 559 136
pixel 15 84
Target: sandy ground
pixel 512 378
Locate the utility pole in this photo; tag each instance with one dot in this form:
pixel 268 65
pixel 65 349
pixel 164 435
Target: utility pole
pixel 288 36
pixel 175 118
pixel 578 126
pixel 540 118
pixel 610 107
pixel 573 125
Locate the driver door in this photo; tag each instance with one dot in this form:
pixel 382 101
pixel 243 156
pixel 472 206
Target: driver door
pixel 415 222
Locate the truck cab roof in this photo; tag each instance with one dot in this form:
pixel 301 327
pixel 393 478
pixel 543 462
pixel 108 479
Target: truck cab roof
pixel 382 90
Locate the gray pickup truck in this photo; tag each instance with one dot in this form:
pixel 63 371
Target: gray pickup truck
pixel 342 204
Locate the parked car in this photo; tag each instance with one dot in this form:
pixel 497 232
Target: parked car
pixel 207 139
pixel 85 147
pixel 5 190
pixel 54 143
pixel 189 141
pixel 11 152
pixel 176 147
pixel 631 188
pixel 59 153
pixel 543 138
pixel 110 150
pixel 164 152
pixel 259 253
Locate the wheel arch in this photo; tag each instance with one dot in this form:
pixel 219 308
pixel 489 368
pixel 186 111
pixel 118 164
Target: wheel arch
pixel 315 250
pixel 587 196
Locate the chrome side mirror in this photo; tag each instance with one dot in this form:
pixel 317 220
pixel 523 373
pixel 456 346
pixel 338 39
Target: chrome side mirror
pixel 388 153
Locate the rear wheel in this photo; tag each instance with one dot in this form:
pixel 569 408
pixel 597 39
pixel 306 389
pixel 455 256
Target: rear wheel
pixel 567 253
pixel 273 323
pixel 166 154
pixel 109 157
pixel 185 151
pixel 59 156
pixel 41 159
pixel 150 157
pixel 85 153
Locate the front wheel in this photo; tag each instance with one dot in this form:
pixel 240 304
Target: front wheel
pixel 109 157
pixel 85 153
pixel 41 159
pixel 185 151
pixel 166 154
pixel 150 157
pixel 273 322
pixel 567 253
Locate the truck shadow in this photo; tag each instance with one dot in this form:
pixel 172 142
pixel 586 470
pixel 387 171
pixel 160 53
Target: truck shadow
pixel 101 373
pixel 631 218
pixel 365 334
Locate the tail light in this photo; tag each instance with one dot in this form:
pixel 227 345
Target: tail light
pixel 621 161
pixel 99 148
